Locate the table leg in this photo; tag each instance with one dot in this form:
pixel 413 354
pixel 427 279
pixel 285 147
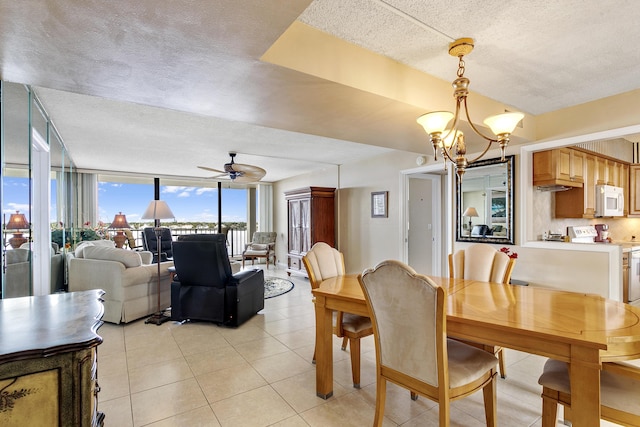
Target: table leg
pixel 324 349
pixel 585 386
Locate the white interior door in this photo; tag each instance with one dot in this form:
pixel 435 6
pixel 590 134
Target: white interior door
pixel 424 223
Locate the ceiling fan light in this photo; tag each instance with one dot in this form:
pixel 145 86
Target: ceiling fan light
pixel 435 121
pixel 503 123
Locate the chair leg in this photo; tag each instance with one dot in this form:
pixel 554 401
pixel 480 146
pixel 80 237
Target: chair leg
pixel 381 397
pixel 501 364
pixel 344 343
pixel 354 348
pixel 549 411
pixel 490 410
pixel 414 396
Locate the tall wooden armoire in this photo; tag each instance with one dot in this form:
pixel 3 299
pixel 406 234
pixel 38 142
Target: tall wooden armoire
pixel 311 220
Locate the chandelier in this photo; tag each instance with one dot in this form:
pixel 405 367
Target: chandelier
pixel 451 141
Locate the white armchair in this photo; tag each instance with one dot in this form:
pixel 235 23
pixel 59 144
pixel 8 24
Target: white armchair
pixel 262 245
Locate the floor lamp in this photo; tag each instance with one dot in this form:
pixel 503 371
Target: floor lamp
pixel 158 210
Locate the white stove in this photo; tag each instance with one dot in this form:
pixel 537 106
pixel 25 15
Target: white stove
pixel 582 233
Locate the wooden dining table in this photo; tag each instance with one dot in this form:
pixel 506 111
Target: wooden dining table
pixel 584 330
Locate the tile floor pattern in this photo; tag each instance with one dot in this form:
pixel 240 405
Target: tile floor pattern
pixel 260 374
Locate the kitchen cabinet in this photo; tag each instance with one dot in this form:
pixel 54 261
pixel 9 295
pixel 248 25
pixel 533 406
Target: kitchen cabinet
pixel 561 166
pixel 579 202
pixel 311 219
pixel 634 190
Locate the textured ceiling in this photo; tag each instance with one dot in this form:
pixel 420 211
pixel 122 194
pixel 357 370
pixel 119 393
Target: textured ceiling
pixel 178 84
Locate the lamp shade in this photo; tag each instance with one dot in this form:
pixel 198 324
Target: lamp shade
pixel 451 138
pixel 158 209
pixel 503 123
pixel 119 221
pixel 470 212
pixel 17 221
pixel 435 121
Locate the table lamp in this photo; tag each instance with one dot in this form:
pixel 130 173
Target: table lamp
pixel 119 223
pixel 158 210
pixel 17 222
pixel 470 212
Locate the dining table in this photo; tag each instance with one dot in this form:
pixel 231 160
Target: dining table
pixel 582 329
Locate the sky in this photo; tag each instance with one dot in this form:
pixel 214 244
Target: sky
pixel 188 204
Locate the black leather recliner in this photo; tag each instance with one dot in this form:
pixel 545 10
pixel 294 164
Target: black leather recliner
pixel 150 243
pixel 205 289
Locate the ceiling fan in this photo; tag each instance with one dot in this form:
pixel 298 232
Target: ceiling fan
pixel 238 172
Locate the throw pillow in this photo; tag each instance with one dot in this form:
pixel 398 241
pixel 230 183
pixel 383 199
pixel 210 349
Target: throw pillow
pixel 79 252
pixel 259 246
pixel 128 258
pixel 17 255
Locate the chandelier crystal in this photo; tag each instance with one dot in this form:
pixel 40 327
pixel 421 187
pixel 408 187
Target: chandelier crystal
pixel 450 141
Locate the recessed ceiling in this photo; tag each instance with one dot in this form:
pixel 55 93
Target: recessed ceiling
pixel 163 87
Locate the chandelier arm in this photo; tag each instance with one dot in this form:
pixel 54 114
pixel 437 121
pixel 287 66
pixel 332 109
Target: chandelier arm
pixel 483 153
pixel 466 111
pixel 454 129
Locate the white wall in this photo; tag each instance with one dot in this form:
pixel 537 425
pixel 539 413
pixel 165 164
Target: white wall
pixel 364 241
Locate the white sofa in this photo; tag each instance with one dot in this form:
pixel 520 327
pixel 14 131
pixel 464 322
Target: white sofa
pixel 128 278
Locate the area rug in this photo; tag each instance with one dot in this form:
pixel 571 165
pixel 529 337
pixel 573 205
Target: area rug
pixel 275 286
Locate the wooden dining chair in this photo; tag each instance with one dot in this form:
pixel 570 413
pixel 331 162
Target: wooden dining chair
pixel 484 263
pixel 619 393
pixel 323 262
pixel 408 312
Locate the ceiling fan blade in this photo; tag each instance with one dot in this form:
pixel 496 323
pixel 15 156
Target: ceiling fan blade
pixel 211 170
pixel 222 175
pixel 246 178
pixel 250 169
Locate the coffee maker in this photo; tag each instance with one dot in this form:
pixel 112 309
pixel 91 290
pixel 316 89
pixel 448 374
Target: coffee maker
pixel 603 233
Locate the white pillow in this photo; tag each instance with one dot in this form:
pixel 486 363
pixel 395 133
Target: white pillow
pixel 17 255
pixel 79 252
pixel 128 258
pixel 146 256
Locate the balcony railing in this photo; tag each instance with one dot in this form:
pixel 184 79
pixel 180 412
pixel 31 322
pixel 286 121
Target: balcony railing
pixel 236 238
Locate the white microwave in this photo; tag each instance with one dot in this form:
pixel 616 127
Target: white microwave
pixel 609 200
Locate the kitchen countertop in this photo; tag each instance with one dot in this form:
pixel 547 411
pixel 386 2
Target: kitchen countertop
pixel 625 246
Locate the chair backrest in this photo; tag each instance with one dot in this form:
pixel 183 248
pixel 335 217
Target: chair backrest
pixel 408 317
pixel 323 262
pixel 264 237
pixel 200 237
pixel 151 242
pixel 481 262
pixel 202 262
pixel 131 241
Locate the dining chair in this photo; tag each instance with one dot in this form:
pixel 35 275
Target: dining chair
pixel 484 263
pixel 323 262
pixel 408 313
pixel 619 392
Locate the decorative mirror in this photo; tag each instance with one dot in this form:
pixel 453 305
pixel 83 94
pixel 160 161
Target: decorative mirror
pixel 484 202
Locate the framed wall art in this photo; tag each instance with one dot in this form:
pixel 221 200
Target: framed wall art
pixel 379 207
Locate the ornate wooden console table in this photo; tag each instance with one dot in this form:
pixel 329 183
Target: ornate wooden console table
pixel 48 359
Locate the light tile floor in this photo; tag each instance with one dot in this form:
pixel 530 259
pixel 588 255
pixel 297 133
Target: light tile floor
pixel 260 374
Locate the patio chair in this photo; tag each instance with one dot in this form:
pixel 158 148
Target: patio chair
pixel 262 245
